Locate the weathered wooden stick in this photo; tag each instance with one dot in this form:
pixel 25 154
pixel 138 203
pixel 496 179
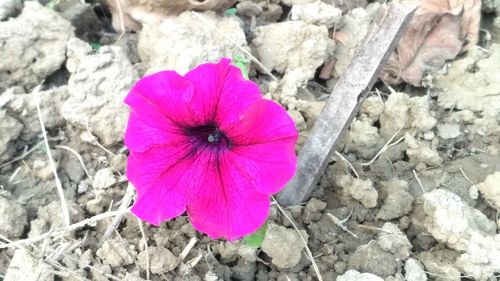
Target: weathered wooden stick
pixel 344 101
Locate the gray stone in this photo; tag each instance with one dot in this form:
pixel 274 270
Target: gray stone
pixel 353 275
pixel 23 106
pixel 9 8
pixel 161 260
pixel 394 241
pixel 104 178
pixel 318 13
pixel 398 201
pixel 248 9
pixel 283 245
pixel 13 218
pixel 115 254
pixel 97 87
pixel 10 128
pixel 448 131
pixel 414 271
pixel 181 43
pixel 33 46
pixel 373 259
pixel 25 267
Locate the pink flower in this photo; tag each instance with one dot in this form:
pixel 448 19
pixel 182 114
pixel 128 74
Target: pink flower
pixel 209 144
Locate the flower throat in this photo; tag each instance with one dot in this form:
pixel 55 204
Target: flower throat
pixel 208 136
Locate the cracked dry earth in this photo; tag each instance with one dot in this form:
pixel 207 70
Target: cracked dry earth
pixel 415 195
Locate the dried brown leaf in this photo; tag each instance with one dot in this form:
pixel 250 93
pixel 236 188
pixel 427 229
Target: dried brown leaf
pixel 439 30
pixel 131 14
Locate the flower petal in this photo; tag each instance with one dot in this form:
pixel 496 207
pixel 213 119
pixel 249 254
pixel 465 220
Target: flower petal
pixel 159 106
pixel 264 146
pixel 162 176
pixel 227 205
pixel 221 94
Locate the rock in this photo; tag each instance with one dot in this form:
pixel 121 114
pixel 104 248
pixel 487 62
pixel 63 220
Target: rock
pixel 33 46
pixel 305 49
pixel 353 275
pixel 247 253
pixel 10 129
pixel 10 8
pixel 298 119
pixel 318 13
pixel 361 190
pixel 51 217
pixel 394 241
pixel 421 152
pixel 272 12
pixel 283 245
pixel 310 110
pixel 398 201
pixel 490 6
pixel 115 254
pixel 440 263
pixel 42 169
pixel 248 9
pixel 414 270
pixel 24 107
pixel 486 126
pixel 244 271
pixel 313 210
pixel 104 178
pixel 463 229
pixel 404 113
pixel 181 43
pixel 13 218
pixel 82 17
pixel 228 251
pixel 161 260
pixel 26 267
pixel 356 25
pixel 363 138
pixel 448 131
pixel 372 258
pixel 98 84
pixel 296 2
pixel 490 188
pixel 477 90
pixel 133 277
pixel 372 106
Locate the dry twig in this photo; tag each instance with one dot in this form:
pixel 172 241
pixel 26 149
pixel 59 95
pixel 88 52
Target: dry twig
pixel 60 191
pixel 308 251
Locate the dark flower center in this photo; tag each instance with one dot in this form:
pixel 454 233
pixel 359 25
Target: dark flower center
pixel 208 136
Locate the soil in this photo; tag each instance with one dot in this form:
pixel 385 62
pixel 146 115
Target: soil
pixel 415 195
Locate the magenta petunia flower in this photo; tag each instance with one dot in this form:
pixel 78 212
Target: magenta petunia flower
pixel 209 144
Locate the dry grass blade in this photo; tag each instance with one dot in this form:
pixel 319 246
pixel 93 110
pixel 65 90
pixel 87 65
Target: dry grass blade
pixel 78 156
pixel 141 228
pixel 386 146
pixel 127 198
pixel 339 155
pixel 308 251
pixel 28 152
pixel 60 191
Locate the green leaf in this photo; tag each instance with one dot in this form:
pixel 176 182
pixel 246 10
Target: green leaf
pixel 255 239
pixel 230 11
pixel 95 46
pixel 242 64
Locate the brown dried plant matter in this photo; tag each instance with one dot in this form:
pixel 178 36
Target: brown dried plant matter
pixel 439 31
pixel 131 14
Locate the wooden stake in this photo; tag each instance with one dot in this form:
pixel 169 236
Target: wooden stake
pixel 343 103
